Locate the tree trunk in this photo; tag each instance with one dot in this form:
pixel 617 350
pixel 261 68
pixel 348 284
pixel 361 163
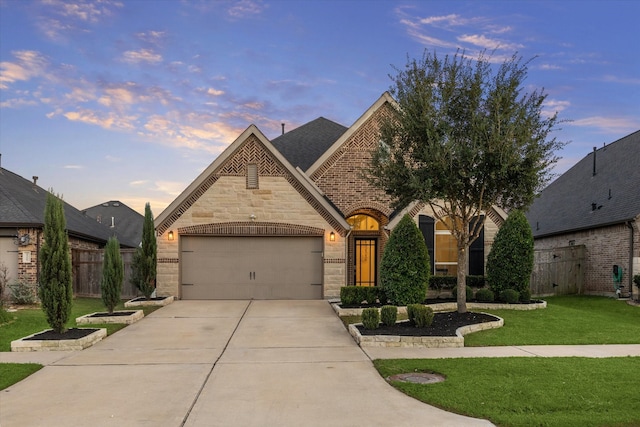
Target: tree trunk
pixel 463 260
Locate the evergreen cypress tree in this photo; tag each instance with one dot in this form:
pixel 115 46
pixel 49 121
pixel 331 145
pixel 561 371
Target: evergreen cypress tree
pixel 56 291
pixel 112 275
pixel 510 261
pixel 145 258
pixel 404 270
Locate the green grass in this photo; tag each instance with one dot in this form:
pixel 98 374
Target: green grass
pixel 567 320
pixel 11 373
pixel 516 392
pixel 29 321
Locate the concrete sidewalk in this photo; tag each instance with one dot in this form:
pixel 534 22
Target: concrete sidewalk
pixel 218 363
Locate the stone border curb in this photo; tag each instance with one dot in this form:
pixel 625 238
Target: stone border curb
pixel 422 342
pixel 166 301
pixel 87 319
pixel 23 345
pixel 449 306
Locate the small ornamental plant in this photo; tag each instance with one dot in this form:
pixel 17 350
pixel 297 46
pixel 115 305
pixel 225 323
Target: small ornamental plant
pixel 389 315
pixel 112 275
pixel 423 316
pixel 485 295
pixel 56 291
pixel 510 296
pixel 370 318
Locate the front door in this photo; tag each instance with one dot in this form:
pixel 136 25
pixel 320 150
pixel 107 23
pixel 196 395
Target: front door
pixel 365 262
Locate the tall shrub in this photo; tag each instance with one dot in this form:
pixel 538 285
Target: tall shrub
pixel 56 291
pixel 112 275
pixel 145 258
pixel 404 271
pixel 510 261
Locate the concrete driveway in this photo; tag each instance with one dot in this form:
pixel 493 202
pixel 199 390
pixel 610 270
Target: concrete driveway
pixel 220 363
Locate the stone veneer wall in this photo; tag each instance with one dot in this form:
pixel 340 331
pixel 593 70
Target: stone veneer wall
pixel 605 247
pixel 229 200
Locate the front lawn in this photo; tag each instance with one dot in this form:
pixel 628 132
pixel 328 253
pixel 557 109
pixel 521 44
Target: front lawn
pixel 514 392
pixel 11 373
pixel 567 320
pixel 30 321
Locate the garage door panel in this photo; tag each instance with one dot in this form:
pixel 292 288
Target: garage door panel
pixel 251 267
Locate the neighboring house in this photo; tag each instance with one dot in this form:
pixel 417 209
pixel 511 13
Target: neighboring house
pixel 293 218
pixel 126 222
pixel 596 203
pixel 22 204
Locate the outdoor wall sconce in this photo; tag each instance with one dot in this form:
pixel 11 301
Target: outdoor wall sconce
pixel 332 237
pixel 170 235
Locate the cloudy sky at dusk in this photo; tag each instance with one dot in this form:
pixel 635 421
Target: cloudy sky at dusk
pixel 130 100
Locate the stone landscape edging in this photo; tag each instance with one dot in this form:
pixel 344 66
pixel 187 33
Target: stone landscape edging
pixel 87 319
pixel 422 342
pixel 23 344
pixel 449 306
pixel 144 303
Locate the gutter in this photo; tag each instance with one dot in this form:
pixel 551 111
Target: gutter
pixel 587 227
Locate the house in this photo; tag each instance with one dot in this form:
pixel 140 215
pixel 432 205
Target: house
pixel 22 204
pixel 596 204
pixel 126 222
pixel 292 218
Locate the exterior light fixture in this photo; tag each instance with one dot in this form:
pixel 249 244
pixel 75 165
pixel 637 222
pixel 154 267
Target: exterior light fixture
pixel 170 236
pixel 332 237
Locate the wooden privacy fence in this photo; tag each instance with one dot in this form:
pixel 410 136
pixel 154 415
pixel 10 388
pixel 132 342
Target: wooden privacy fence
pixel 87 272
pixel 558 271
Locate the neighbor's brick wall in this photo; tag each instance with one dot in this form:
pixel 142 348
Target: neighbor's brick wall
pixel 227 200
pixel 605 247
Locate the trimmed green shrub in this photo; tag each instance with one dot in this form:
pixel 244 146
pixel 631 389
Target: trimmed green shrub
pixel 370 318
pixel 23 293
pixel 349 295
pixel 525 296
pixel 636 280
pixel 56 291
pixel 411 312
pixel 476 281
pixel 450 282
pixel 510 261
pixel 510 296
pixel 145 257
pixel 404 270
pixel 357 295
pixel 423 316
pixel 389 314
pixel 485 295
pixel 112 275
pixel 382 296
pixel 469 292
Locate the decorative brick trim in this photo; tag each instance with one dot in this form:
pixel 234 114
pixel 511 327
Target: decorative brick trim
pixel 168 260
pixel 334 260
pixel 250 229
pixel 416 209
pixel 497 219
pixel 354 208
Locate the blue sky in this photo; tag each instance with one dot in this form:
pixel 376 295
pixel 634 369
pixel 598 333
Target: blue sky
pixel 131 100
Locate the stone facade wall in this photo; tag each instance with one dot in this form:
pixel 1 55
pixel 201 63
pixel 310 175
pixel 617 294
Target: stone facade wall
pixel 605 247
pixel 229 200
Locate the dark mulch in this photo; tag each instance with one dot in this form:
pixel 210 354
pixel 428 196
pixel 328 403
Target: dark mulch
pixel 114 314
pixel 71 334
pixel 444 325
pixel 150 299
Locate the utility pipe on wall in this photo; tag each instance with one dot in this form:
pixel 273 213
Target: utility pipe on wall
pixel 630 225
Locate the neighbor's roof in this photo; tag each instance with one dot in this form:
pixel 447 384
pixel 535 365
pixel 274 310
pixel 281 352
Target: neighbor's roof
pixel 579 200
pixel 305 144
pixel 127 222
pixel 22 205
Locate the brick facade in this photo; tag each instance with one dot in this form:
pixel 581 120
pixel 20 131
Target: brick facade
pixel 605 247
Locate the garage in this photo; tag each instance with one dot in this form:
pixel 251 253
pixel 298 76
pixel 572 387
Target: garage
pixel 9 257
pixel 264 267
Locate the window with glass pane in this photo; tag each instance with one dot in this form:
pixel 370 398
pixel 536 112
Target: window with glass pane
pixel 446 250
pixel 363 223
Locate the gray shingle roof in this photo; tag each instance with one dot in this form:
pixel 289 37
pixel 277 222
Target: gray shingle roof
pixel 580 200
pixel 22 205
pixel 127 222
pixel 305 144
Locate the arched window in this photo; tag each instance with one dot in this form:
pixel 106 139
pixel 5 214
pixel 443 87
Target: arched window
pixel 362 222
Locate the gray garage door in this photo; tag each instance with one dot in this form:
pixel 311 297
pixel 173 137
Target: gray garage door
pixel 251 267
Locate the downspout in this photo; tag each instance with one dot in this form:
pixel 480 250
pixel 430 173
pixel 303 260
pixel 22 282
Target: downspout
pixel 630 279
pixel 38 257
